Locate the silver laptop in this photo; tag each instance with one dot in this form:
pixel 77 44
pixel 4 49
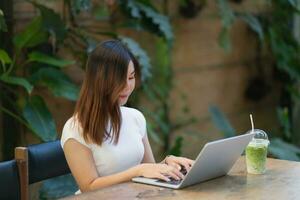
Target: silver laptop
pixel 215 160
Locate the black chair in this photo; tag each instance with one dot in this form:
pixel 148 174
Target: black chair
pixel 9 180
pixel 39 162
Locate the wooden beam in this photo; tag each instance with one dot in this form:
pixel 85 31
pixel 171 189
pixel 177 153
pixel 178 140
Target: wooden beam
pixel 21 156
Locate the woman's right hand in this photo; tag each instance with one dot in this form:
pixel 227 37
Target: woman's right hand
pixel 160 171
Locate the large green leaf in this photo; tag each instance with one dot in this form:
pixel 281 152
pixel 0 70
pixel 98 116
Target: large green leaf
pixel 4 57
pixel 227 18
pixel 3 26
pixel 50 60
pixel 284 150
pixel 17 81
pixel 37 31
pixel 52 22
pixel 39 118
pixel 140 54
pixel 221 122
pixel 149 18
pixel 226 13
pixel 254 24
pixel 32 35
pixel 57 82
pixel 161 21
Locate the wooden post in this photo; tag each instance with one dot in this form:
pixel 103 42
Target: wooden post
pixel 21 156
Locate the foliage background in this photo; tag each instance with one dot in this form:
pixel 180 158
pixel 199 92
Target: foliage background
pixel 206 66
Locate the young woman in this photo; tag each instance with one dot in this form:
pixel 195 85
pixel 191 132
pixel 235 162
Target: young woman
pixel 104 142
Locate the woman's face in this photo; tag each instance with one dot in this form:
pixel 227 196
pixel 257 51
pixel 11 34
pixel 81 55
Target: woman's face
pixel 130 84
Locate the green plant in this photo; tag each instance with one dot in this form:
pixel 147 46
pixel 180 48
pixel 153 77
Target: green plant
pixel 43 68
pixel 30 67
pixel 275 32
pixel 34 63
pixel 229 16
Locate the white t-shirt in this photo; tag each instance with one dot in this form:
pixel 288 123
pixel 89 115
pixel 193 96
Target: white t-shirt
pixel 110 158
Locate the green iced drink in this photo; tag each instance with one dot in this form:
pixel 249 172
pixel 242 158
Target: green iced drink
pixel 256 155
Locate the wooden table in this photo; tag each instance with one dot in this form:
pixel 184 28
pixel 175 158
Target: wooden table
pixel 281 181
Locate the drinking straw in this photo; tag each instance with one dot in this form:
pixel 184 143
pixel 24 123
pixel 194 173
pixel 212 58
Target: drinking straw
pixel 252 124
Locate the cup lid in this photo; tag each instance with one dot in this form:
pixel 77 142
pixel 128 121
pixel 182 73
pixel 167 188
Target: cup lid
pixel 260 137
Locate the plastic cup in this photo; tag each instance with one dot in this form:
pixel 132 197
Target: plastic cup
pixel 256 153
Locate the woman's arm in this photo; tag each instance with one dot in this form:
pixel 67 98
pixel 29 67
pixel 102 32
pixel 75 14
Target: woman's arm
pixel 148 155
pixel 83 168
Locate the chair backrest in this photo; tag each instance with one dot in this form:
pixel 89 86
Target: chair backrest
pixel 39 162
pixel 9 180
pixel 45 161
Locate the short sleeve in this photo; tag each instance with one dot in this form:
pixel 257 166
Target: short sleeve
pixel 141 122
pixel 72 130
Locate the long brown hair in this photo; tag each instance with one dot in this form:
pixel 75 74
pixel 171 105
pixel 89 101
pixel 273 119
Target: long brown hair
pixel 98 105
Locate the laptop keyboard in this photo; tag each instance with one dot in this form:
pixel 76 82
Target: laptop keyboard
pixel 172 180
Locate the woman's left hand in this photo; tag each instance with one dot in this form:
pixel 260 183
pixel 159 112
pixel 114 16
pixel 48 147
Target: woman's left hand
pixel 178 162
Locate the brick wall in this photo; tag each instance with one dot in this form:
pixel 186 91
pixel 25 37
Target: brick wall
pixel 209 76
